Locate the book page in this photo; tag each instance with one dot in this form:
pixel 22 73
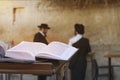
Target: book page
pixel 25 48
pixel 23 55
pixel 55 50
pixel 69 53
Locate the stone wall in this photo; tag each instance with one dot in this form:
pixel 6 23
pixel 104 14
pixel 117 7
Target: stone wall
pixel 102 23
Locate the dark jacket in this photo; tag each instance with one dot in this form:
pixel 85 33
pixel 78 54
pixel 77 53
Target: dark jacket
pixel 2 52
pixel 40 38
pixel 80 56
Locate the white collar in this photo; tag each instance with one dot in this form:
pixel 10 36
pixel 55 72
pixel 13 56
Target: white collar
pixel 42 33
pixel 75 39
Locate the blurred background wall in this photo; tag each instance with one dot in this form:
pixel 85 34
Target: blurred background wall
pixel 19 20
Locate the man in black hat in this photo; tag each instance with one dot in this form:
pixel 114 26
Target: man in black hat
pixel 41 37
pixel 78 62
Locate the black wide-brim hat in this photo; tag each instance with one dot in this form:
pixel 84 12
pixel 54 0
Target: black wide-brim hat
pixel 45 26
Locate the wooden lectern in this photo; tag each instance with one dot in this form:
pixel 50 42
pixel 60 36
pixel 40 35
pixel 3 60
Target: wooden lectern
pixel 37 68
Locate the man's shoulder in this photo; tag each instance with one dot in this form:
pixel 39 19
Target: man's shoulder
pixel 38 33
pixel 85 38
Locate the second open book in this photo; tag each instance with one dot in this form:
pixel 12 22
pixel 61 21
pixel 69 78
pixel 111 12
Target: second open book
pixel 29 50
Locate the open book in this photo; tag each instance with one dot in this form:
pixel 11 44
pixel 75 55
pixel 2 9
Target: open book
pixel 30 50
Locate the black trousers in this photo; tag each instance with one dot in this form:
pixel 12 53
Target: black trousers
pixel 78 72
pixel 42 77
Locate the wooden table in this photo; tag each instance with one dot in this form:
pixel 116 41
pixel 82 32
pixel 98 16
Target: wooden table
pixel 109 56
pixel 41 68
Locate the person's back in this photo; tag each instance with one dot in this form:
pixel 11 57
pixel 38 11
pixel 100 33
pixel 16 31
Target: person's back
pixel 78 61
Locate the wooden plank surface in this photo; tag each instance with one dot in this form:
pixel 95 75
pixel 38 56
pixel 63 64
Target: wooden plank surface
pixel 34 72
pixel 110 55
pixel 43 66
pixel 46 68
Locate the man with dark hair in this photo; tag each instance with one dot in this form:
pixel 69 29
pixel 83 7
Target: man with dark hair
pixel 41 37
pixel 78 62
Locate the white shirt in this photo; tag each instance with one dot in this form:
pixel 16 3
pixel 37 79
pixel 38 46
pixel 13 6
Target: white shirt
pixel 42 33
pixel 75 39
